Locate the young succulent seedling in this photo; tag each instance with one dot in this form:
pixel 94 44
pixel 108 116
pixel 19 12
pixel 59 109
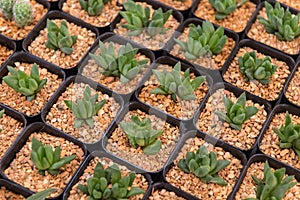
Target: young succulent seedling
pixel 41 195
pixel 141 134
pixel 93 7
pixel 176 85
pixel 109 184
pixel 281 22
pixel 85 109
pixel 225 7
pixel 254 68
pixel 236 113
pixel 6 7
pixel 45 159
pixel 204 165
pixel 26 85
pixel 59 37
pixel 122 64
pixel 203 41
pixel 138 18
pixel 289 135
pixel 273 185
pixel 22 12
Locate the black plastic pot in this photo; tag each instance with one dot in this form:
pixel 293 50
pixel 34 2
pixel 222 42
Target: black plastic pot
pixel 267 51
pixel 28 58
pixel 8 185
pixel 218 143
pixel 272 163
pixel 101 154
pixel 58 15
pixel 17 146
pixel 184 25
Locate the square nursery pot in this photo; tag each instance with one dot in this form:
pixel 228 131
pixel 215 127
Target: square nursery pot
pixel 10 190
pixel 190 183
pixel 269 140
pixel 117 143
pixel 211 62
pixel 209 123
pixel 18 167
pixel 90 69
pixel 25 61
pixel 10 29
pixel 235 21
pixel 104 21
pixel 257 31
pixel 246 187
pixel 291 92
pixel 271 92
pixel 11 125
pixel 179 109
pixel 7 48
pixel 35 42
pixel 158 41
pixel 142 180
pixel 58 115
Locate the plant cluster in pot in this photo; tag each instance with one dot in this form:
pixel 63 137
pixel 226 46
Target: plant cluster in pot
pixel 233 116
pixel 28 83
pixel 203 44
pixel 43 158
pixel 18 17
pixel 205 169
pixel 259 70
pixel 98 167
pixel 231 14
pixel 292 91
pixel 143 138
pixel 82 109
pixel 277 26
pixel 174 87
pixel 116 63
pixel 291 3
pixel 151 29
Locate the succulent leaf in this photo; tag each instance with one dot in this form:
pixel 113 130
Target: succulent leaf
pixel 41 195
pixel 22 13
pixel 93 7
pixel 225 7
pixel 6 7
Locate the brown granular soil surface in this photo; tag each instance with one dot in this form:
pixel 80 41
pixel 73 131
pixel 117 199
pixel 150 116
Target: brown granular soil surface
pixel 258 33
pixel 10 28
pixel 22 170
pixel 211 62
pixel 236 21
pixel 178 4
pixel 10 129
pixel 61 117
pixel 209 122
pixel 291 3
pixel 182 109
pixel 193 185
pixel 118 143
pixel 84 41
pixel 5 53
pixel 7 194
pixel 293 90
pixel 248 186
pixel 164 194
pixel 16 100
pixel 270 91
pixel 108 14
pixel 270 141
pixel 139 181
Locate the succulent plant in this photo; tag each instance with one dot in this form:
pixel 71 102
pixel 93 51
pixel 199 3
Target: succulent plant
pixel 289 135
pixel 204 165
pixel 59 37
pixel 6 7
pixel 236 113
pixel 138 18
pixel 141 134
pixel 41 195
pixel 22 12
pixel 84 109
pixel 273 186
pixel 26 85
pixel 225 7
pixel 109 184
pixel 255 68
pixel 176 85
pixel 45 159
pixel 123 64
pixel 93 7
pixel 203 40
pixel 281 22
